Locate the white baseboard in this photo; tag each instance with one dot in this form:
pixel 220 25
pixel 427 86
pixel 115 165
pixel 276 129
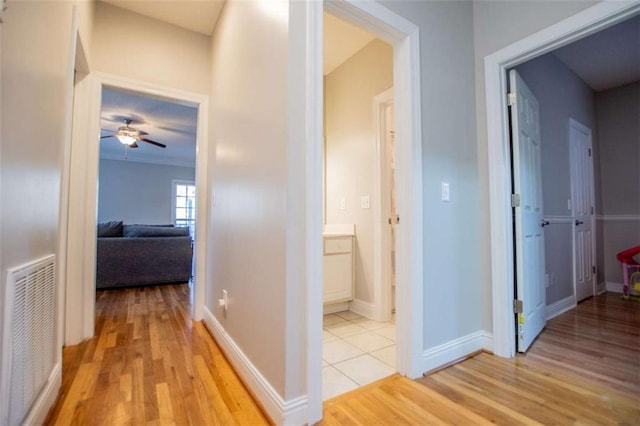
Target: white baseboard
pixel 561 306
pixel 614 287
pixel 602 288
pixel 46 398
pixel 365 309
pixel 448 352
pixel 281 412
pixel 332 308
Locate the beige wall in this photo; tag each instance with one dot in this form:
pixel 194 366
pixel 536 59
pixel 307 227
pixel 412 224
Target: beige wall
pixel 349 149
pixel 134 46
pixel 248 162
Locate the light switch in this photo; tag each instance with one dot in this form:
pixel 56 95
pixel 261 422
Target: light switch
pixel 445 191
pixel 365 202
pixel 343 203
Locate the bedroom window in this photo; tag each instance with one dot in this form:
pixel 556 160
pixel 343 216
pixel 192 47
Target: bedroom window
pixel 184 205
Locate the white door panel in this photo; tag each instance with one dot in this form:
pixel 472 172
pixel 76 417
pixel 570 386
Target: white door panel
pixel 529 233
pixel 582 203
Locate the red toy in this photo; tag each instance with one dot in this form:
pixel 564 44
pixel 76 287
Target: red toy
pixel 628 263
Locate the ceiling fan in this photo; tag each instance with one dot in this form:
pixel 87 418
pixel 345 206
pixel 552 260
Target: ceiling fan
pixel 129 136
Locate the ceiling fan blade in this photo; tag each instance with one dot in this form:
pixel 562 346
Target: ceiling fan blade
pixel 107 136
pixel 133 145
pixel 161 145
pixel 142 132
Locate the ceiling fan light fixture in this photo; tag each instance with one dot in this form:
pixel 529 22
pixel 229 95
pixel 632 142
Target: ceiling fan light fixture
pixel 126 136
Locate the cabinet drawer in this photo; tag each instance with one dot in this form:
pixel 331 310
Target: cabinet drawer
pixel 337 245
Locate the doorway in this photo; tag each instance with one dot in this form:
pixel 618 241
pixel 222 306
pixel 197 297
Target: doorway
pixel 496 64
pixel 403 35
pixel 83 193
pixel 146 191
pixel 359 339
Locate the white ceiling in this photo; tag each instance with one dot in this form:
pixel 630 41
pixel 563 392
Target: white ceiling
pixel 199 16
pixel 607 59
pixel 169 123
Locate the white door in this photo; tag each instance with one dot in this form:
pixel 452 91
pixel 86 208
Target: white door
pixel 529 234
pixel 583 208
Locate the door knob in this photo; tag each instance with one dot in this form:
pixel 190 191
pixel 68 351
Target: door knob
pixel 544 223
pixel 579 222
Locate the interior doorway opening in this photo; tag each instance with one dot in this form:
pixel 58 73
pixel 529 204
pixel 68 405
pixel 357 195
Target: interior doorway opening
pixel 83 193
pixel 147 194
pixel 359 332
pixel 577 27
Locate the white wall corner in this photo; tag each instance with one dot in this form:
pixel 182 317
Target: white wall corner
pixel 281 412
pixel 360 307
pixel 561 306
pixel 47 397
pixel 456 349
pixel 602 288
pixel 614 287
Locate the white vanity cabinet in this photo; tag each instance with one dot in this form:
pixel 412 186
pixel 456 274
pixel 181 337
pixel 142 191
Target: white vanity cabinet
pixel 338 268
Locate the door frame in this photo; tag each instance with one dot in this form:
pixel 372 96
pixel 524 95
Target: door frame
pixel 83 197
pixel 405 38
pixel 578 26
pixel 573 123
pixel 381 187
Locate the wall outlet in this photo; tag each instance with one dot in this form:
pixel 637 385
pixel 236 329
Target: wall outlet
pixel 224 302
pixel 343 203
pixel 546 280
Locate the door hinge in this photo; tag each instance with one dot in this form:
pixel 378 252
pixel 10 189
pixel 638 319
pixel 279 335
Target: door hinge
pixel 517 306
pixel 515 200
pixel 511 98
pixel 589 152
pixel 593 269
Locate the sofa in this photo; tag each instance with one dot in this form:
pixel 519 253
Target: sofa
pixel 138 255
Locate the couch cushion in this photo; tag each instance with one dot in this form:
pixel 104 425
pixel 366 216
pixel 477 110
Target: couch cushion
pixel 133 231
pixel 111 229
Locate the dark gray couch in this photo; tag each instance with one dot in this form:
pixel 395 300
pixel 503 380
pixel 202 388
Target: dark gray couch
pixel 136 255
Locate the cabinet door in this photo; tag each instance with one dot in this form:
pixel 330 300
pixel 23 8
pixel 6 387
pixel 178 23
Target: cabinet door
pixel 338 282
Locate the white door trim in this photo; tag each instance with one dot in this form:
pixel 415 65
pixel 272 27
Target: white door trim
pixel 81 239
pixel 496 64
pixel 381 243
pixel 404 36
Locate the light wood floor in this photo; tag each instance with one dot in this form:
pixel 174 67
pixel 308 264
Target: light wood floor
pixel 151 365
pixel 584 368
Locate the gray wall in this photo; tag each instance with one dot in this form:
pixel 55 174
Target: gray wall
pixel 455 294
pixel 561 95
pixel 618 113
pixel 138 192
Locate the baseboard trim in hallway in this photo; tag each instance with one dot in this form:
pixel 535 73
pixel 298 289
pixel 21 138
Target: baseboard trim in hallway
pixel 293 411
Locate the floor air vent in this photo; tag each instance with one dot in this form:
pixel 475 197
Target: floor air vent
pixel 28 354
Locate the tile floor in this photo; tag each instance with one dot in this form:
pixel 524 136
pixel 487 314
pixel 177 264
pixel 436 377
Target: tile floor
pixel 355 351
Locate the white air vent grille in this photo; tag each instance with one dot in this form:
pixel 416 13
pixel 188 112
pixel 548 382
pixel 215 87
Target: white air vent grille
pixel 28 336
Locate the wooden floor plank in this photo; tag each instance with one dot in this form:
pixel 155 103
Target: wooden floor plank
pixel 150 364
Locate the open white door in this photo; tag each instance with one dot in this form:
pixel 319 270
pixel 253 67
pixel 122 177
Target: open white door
pixel 529 234
pixel 582 203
